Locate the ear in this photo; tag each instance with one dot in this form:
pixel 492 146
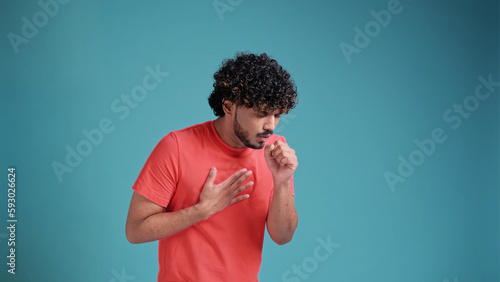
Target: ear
pixel 228 107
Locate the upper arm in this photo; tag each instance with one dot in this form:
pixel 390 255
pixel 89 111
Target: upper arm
pixel 140 208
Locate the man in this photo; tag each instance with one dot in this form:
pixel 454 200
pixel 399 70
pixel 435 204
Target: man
pixel 207 191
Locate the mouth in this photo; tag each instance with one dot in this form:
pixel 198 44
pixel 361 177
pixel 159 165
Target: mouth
pixel 264 137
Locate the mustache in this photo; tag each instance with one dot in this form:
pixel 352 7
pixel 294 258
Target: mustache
pixel 267 132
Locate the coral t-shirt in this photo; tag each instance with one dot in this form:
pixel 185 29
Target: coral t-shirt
pixel 228 245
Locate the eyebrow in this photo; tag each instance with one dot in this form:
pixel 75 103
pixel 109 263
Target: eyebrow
pixel 262 110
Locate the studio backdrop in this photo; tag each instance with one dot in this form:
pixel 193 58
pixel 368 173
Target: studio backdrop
pixel 396 131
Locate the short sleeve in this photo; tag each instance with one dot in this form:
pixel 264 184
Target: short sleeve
pixel 158 178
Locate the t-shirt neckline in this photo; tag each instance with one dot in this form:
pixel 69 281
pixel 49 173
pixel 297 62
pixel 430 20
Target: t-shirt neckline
pixel 225 146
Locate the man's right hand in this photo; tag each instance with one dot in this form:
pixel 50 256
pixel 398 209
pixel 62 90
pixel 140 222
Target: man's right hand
pixel 216 197
pixel 147 221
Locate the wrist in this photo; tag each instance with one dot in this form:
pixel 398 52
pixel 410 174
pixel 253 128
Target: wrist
pixel 281 183
pixel 202 211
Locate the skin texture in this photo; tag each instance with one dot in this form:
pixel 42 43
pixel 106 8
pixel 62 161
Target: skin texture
pixel 240 127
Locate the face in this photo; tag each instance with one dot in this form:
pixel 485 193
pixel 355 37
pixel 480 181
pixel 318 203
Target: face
pixel 253 128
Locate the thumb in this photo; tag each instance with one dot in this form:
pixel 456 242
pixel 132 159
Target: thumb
pixel 268 150
pixel 211 176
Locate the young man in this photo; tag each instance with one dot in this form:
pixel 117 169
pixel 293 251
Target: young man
pixel 207 191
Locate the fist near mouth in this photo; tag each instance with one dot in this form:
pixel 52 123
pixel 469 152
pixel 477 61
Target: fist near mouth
pixel 281 161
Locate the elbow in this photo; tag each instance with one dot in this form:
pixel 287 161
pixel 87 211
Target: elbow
pixel 284 235
pixel 131 240
pixel 131 236
pixel 282 240
pixel 134 240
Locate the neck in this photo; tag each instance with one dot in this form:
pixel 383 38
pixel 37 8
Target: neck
pixel 225 129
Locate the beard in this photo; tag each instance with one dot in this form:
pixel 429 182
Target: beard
pixel 244 136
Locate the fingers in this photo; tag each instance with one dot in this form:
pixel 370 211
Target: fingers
pixel 237 178
pixel 283 154
pixel 277 151
pixel 242 179
pixel 239 190
pixel 243 187
pixel 239 198
pixel 283 157
pixel 268 150
pixel 278 147
pixel 211 176
pixel 235 185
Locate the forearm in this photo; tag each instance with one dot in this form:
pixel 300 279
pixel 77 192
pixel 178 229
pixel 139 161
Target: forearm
pixel 282 217
pixel 147 222
pixel 164 224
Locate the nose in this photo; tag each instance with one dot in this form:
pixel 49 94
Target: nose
pixel 270 123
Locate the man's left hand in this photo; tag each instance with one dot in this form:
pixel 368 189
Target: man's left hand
pixel 281 161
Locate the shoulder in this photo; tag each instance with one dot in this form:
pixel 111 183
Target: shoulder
pixel 171 143
pixel 188 133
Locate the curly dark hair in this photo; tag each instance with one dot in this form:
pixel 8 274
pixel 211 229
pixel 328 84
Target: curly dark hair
pixel 253 81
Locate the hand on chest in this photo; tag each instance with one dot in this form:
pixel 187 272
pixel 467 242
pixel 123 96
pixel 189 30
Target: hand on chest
pixel 193 176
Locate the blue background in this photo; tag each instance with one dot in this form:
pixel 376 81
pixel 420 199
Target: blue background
pixel 353 122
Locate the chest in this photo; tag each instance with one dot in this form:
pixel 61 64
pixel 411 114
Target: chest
pixel 195 164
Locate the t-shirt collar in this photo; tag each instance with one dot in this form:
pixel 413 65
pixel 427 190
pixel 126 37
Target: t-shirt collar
pixel 231 150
